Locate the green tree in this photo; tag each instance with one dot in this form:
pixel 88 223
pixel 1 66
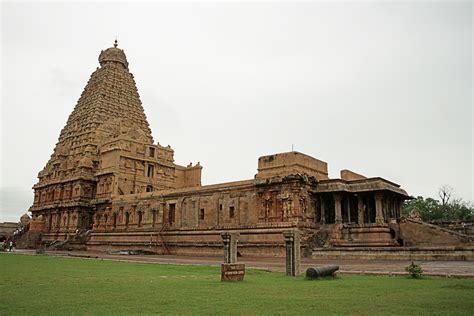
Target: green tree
pixel 447 208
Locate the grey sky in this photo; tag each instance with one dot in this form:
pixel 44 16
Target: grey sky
pixel 381 89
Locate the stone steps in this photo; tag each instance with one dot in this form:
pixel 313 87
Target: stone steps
pixel 445 253
pixel 364 243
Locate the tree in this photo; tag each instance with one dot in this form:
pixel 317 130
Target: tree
pixel 429 209
pixel 445 193
pixel 448 208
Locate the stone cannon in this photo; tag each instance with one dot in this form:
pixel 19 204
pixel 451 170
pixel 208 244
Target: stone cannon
pixel 313 273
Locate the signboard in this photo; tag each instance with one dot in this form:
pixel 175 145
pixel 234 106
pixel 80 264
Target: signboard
pixel 232 272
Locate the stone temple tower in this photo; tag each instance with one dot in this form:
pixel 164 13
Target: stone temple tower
pixel 105 149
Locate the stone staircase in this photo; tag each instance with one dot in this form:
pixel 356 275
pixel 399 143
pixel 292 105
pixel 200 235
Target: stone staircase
pixel 424 253
pixel 72 242
pixel 26 239
pixel 359 235
pixel 408 240
pixel 418 233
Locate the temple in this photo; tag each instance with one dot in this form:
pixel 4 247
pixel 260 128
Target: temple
pixel 109 186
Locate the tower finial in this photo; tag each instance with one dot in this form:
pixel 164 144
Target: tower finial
pixel 115 43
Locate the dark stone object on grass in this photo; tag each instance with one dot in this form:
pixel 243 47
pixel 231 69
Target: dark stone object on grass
pixel 131 252
pixel 314 273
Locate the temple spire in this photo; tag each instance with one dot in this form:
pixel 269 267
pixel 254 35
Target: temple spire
pixel 114 55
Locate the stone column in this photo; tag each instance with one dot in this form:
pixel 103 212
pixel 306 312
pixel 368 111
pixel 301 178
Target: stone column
pixel 48 219
pixel 360 211
pixel 348 204
pixel 230 246
pixel 379 208
pixel 68 222
pixel 218 212
pixel 163 212
pixel 398 207
pixel 108 220
pixel 58 220
pixel 52 221
pixel 323 211
pixel 196 212
pixel 337 208
pixel 293 256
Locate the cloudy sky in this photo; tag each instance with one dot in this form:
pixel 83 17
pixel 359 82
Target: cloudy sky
pixel 382 89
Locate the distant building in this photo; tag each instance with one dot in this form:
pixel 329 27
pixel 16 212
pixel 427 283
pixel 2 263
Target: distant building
pixel 7 229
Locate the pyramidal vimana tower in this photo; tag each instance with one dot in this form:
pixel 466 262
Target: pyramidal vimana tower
pixel 107 180
pixel 105 149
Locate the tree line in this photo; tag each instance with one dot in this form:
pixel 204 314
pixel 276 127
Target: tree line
pixel 446 208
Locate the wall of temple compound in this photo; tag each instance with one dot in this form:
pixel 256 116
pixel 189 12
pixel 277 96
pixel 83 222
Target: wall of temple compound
pixel 190 221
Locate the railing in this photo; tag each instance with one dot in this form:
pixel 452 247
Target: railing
pixel 163 242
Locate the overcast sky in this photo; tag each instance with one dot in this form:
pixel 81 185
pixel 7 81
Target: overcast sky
pixel 381 89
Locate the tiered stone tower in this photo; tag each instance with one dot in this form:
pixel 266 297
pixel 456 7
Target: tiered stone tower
pixel 105 149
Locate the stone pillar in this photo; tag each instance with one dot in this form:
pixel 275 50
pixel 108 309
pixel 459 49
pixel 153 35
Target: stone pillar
pixel 48 220
pixel 68 222
pixel 76 215
pixel 323 211
pixel 337 208
pixel 218 212
pixel 109 217
pixel 164 216
pixel 230 246
pixel 58 220
pixel 52 222
pixel 348 206
pixel 379 208
pixel 398 207
pixel 293 256
pixel 360 211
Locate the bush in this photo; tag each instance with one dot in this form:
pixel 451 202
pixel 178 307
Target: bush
pixel 414 270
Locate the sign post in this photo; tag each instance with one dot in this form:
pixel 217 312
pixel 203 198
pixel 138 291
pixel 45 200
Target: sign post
pixel 230 269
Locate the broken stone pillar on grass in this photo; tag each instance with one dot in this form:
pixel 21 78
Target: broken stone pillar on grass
pixel 230 246
pixel 293 255
pixel 230 270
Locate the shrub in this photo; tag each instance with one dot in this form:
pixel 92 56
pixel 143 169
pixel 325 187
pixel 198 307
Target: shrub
pixel 414 270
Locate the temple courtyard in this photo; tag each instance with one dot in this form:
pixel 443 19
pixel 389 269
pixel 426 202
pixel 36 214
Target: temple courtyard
pixel 459 269
pixel 93 283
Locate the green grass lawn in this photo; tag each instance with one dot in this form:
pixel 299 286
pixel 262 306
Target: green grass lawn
pixel 53 285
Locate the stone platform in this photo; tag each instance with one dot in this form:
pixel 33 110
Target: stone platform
pixel 440 253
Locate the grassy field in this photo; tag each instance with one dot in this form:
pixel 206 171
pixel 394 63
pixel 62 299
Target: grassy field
pixel 53 285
